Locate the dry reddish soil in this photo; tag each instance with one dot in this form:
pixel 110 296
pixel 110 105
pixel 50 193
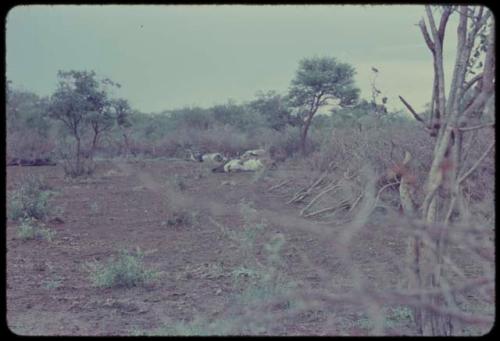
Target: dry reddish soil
pixel 125 205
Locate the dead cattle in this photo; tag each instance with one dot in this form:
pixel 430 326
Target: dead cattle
pixel 238 165
pixel 195 156
pixel 30 162
pixel 251 154
pixel 214 157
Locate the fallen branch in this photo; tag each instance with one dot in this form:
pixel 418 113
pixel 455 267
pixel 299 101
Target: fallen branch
pixel 281 184
pixel 328 209
pixel 303 193
pixel 384 187
pixel 330 188
pixel 356 202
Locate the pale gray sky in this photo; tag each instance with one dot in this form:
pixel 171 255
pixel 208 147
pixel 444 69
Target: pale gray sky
pixel 168 57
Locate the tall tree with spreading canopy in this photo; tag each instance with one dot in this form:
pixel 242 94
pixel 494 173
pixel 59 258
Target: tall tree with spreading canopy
pixel 453 115
pixel 320 81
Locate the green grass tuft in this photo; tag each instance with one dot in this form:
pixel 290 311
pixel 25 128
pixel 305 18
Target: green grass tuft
pixel 127 270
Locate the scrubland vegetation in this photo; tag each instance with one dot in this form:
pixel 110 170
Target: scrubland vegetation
pixel 373 222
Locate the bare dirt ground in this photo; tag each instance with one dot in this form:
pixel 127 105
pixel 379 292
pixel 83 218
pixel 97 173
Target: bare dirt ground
pixel 128 204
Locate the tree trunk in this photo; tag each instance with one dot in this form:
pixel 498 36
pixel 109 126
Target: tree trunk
pixel 78 155
pixel 305 130
pixel 127 145
pixel 303 139
pixel 95 140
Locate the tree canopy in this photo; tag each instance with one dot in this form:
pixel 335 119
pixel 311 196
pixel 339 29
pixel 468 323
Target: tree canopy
pixel 320 81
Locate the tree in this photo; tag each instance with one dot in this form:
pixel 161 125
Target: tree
pixel 122 112
pixel 452 116
pixel 104 113
pixel 81 102
pixel 236 115
pixel 318 82
pixel 25 110
pixel 28 128
pixel 194 117
pixel 274 108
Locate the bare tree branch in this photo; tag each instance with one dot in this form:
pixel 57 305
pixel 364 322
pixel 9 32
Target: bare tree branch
pixel 437 51
pixel 477 26
pixel 488 79
pixel 480 126
pixel 478 162
pixel 442 24
pixel 462 56
pixel 427 38
pixel 413 112
pixel 472 81
pixel 432 23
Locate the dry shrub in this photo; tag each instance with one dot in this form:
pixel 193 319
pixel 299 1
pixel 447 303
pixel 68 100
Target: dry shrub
pixel 223 139
pixel 479 184
pixel 286 141
pixel 29 145
pixel 381 147
pixel 348 149
pixel 371 246
pixel 65 151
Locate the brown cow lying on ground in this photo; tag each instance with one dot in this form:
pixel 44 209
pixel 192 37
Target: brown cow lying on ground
pixel 32 162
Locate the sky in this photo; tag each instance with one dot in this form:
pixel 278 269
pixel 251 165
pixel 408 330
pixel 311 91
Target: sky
pixel 172 56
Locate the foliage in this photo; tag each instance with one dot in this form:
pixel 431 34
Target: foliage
pixel 29 200
pixel 193 117
pixel 348 116
pixel 122 112
pixel 125 271
pixel 318 82
pixel 30 229
pixel 392 318
pixel 27 125
pixel 26 110
pixel 82 104
pixel 274 108
pixel 238 116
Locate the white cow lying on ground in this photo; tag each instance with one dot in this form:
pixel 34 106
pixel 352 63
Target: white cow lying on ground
pixel 202 157
pixel 250 165
pixel 195 156
pixel 252 154
pixel 249 161
pixel 215 157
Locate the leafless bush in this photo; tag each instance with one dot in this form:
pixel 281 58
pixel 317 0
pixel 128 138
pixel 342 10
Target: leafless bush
pixel 287 140
pixel 348 149
pixel 359 242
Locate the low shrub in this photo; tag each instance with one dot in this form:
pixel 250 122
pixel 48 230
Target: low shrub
pixel 29 200
pixel 29 230
pixel 127 270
